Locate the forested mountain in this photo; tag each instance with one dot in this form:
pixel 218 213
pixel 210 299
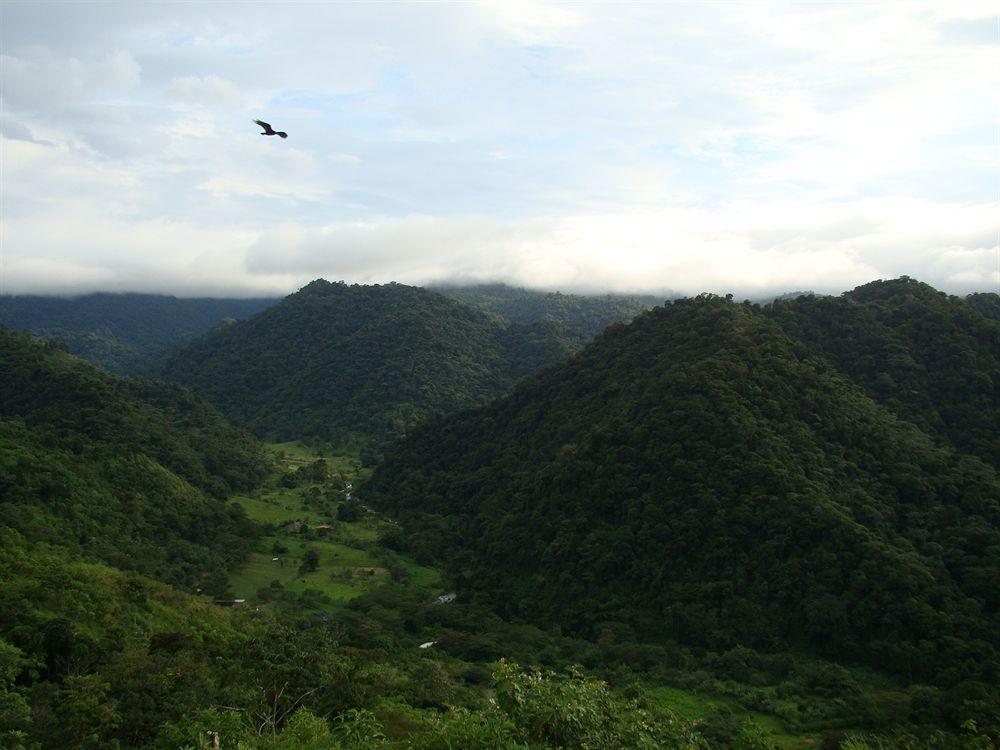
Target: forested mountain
pixel 988 303
pixel 706 476
pixel 107 482
pixel 716 497
pixel 122 332
pixel 932 359
pixel 584 316
pixel 334 358
pixel 130 472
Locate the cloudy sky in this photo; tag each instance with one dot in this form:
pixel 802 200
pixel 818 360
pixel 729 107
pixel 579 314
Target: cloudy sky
pixel 648 147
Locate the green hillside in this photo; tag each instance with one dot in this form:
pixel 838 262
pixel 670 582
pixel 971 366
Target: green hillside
pixel 988 303
pixel 108 483
pixel 931 359
pixel 123 333
pixel 334 358
pixel 701 476
pixel 744 536
pixel 127 471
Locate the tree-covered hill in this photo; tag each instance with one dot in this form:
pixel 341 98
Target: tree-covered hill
pixel 107 483
pixel 932 359
pixel 702 476
pixel 122 332
pixel 584 316
pixel 334 358
pixel 988 303
pixel 130 472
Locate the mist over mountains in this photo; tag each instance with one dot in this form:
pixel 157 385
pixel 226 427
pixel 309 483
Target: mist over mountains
pixel 122 332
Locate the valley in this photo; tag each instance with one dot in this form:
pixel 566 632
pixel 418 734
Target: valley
pixel 717 525
pixel 353 563
pixel 319 516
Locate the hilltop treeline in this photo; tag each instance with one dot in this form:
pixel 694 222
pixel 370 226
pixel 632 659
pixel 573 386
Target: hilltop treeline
pixel 583 316
pixel 931 359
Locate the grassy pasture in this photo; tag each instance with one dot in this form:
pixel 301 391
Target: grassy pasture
pixel 693 705
pixel 350 562
pixel 295 454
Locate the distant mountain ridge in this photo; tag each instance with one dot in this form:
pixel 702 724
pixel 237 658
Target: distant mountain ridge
pixel 584 315
pixel 709 475
pixel 122 332
pixel 334 358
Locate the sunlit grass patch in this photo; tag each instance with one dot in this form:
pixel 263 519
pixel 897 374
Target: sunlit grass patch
pixel 276 508
pixel 420 575
pixel 693 706
pixel 350 561
pixel 294 451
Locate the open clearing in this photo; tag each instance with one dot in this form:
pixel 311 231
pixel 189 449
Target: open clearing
pixel 348 560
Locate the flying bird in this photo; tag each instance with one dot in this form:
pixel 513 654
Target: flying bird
pixel 268 130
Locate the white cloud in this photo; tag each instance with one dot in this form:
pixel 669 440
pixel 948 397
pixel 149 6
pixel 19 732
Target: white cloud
pixel 748 248
pixel 204 90
pixel 587 146
pixel 38 79
pixel 531 22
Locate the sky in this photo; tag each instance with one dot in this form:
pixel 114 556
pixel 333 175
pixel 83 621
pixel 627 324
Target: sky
pixel 660 148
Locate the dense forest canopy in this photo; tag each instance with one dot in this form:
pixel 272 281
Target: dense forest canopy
pixel 123 333
pixel 988 303
pixel 711 474
pixel 334 358
pixel 132 472
pixel 932 359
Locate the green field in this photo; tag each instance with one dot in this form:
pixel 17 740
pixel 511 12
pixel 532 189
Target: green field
pixel 350 560
pixel 693 706
pixel 276 507
pixel 296 453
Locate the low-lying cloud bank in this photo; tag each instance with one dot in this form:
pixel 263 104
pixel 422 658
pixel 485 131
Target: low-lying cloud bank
pixel 745 249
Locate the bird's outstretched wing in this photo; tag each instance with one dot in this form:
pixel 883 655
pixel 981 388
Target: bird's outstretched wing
pixel 267 127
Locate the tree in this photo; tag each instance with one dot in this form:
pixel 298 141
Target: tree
pixel 310 561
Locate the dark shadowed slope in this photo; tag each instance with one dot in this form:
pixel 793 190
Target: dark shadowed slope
pixel 931 359
pixel 583 316
pixel 701 476
pixel 369 359
pixel 988 303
